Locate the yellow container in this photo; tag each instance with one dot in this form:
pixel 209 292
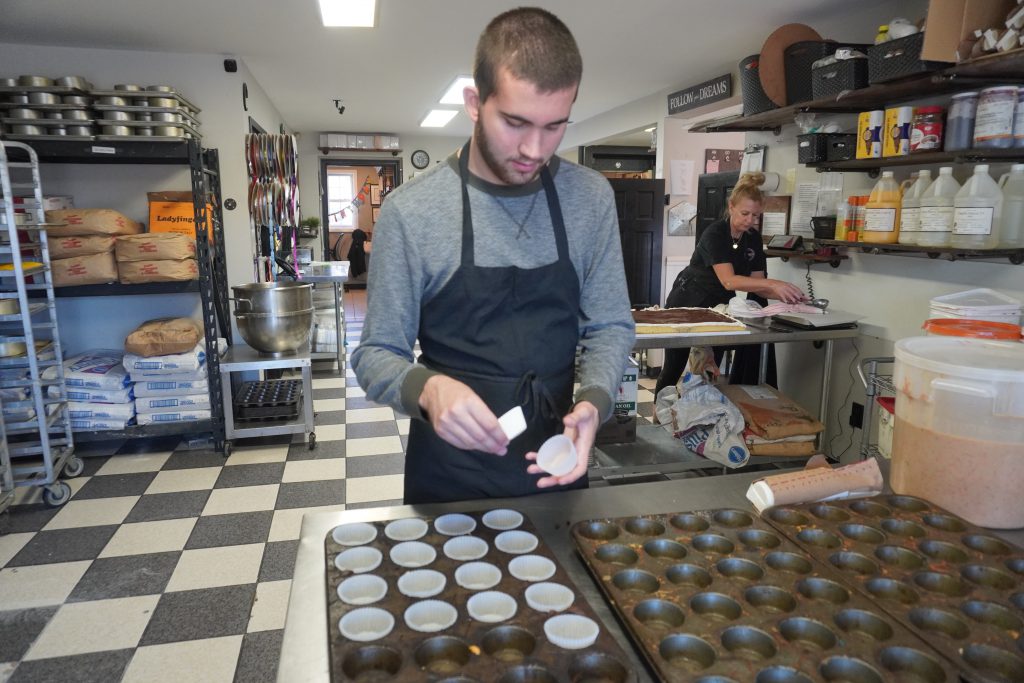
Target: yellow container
pixel 882 212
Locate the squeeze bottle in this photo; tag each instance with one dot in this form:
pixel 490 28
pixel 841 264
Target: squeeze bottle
pixel 882 212
pixel 937 210
pixel 910 208
pixel 977 208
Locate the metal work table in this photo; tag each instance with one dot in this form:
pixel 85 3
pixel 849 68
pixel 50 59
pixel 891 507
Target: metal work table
pixel 339 331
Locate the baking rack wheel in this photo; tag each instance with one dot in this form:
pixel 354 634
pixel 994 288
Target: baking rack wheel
pixel 227 449
pixel 73 467
pixel 311 440
pixel 57 494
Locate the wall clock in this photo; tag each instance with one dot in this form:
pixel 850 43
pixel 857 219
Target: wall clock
pixel 420 159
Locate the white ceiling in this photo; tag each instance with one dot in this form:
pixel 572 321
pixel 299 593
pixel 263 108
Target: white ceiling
pixel 390 76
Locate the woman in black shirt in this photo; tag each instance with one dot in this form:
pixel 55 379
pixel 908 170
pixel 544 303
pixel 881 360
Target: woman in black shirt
pixel 729 258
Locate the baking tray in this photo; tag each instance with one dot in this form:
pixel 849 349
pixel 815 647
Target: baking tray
pixel 268 400
pixel 515 650
pixel 138 94
pixel 145 110
pixel 722 596
pixel 951 582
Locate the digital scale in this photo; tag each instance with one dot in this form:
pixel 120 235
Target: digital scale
pixel 814 321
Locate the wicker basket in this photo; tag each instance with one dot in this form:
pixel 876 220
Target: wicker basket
pixel 844 75
pixel 798 59
pixel 898 58
pixel 755 100
pixel 817 147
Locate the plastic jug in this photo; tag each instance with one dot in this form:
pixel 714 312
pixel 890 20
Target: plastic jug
pixel 937 210
pixel 977 210
pixel 957 440
pixel 1011 227
pixel 910 209
pixel 882 212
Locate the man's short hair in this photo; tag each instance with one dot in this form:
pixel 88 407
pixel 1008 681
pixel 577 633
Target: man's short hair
pixel 534 45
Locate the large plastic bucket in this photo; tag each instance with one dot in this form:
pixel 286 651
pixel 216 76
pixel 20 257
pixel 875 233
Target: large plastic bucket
pixel 959 433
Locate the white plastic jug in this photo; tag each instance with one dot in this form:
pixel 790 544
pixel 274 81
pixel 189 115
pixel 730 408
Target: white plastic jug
pixel 1011 227
pixel 910 210
pixel 977 210
pixel 937 210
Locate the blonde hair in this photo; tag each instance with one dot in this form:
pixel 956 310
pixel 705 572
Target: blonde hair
pixel 748 187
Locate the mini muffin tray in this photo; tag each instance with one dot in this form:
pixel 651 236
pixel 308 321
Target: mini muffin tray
pixel 512 650
pixel 720 596
pixel 953 583
pixel 268 400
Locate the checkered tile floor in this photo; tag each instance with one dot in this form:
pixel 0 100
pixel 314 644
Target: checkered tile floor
pixel 175 565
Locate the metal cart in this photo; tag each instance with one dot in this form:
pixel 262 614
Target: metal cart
pixel 244 358
pixel 6 476
pixel 336 281
pixel 876 383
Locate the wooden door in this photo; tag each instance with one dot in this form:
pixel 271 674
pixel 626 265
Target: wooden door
pixel 713 190
pixel 640 206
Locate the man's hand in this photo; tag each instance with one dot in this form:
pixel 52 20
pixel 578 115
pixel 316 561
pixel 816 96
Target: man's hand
pixel 460 417
pixel 581 426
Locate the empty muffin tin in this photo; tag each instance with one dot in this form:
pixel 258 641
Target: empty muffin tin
pixel 513 649
pixel 721 596
pixel 953 583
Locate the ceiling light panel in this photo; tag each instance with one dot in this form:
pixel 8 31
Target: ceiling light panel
pixel 438 118
pixel 355 13
pixel 453 95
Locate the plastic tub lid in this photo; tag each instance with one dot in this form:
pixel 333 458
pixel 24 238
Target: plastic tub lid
pixel 974 298
pixel 979 329
pixel 984 359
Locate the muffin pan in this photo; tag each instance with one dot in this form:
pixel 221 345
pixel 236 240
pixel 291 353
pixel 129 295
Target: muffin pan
pixel 721 596
pixel 436 636
pixel 954 584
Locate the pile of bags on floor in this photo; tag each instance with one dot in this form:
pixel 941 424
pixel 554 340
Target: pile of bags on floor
pixel 730 423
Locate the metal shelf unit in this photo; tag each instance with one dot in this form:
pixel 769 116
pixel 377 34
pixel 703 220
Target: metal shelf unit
pixel 876 383
pixel 6 475
pixel 37 426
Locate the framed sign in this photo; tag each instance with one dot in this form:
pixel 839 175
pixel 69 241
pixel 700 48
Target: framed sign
pixel 722 160
pixel 376 213
pixel 374 195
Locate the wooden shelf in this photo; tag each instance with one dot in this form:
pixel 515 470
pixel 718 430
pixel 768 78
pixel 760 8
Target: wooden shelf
pixel 1015 256
pixel 832 259
pixel 114 289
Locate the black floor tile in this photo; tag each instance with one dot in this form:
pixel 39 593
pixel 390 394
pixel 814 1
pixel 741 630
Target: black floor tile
pixel 405 441
pixel 364 430
pixel 323 450
pixel 278 561
pixel 258 658
pixel 234 529
pixel 360 403
pixel 19 628
pixel 161 506
pixel 329 417
pixel 64 545
pixel 20 519
pixel 161 444
pixel 92 464
pixel 113 485
pixel 94 667
pixel 374 465
pixel 250 475
pixel 184 460
pixel 324 394
pixel 123 577
pixel 205 613
pixel 310 494
pixel 373 504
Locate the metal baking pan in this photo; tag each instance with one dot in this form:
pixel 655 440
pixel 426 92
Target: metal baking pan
pixel 64 138
pixel 515 649
pixel 55 89
pixel 953 583
pixel 138 94
pixel 143 138
pixel 143 110
pixel 44 107
pixel 49 122
pixel 721 596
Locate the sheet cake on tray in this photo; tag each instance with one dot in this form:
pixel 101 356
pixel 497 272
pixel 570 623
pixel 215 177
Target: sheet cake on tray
pixel 684 321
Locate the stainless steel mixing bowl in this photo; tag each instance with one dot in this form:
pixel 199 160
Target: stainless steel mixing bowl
pixel 276 333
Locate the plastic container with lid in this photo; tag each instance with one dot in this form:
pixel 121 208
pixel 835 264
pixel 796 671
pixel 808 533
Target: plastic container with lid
pixel 958 434
pixel 926 130
pixel 910 208
pixel 937 210
pixel 993 125
pixel 1011 227
pixel 977 329
pixel 960 121
pixel 977 304
pixel 977 209
pixel 882 212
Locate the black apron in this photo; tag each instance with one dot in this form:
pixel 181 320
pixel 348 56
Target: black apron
pixel 510 334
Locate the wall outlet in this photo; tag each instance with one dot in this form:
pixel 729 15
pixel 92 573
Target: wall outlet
pixel 857 416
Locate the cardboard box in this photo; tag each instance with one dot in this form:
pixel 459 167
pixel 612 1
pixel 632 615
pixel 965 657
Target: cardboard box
pixel 173 211
pixel 618 429
pixel 950 21
pixel 625 397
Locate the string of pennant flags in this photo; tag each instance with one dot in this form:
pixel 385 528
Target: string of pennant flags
pixel 357 201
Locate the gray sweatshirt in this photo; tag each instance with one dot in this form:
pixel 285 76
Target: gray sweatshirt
pixel 416 250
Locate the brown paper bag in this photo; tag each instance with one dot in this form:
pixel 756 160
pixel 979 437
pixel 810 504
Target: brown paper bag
pixel 155 246
pixel 137 272
pixel 163 337
pixel 770 414
pixel 91 222
pixel 84 270
pixel 80 245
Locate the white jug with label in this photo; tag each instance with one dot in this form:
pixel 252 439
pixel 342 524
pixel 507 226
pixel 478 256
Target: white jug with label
pixel 937 210
pixel 910 210
pixel 977 210
pixel 1011 227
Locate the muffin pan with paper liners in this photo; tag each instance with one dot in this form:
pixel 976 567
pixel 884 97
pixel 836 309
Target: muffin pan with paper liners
pixel 954 584
pixel 722 596
pixel 408 630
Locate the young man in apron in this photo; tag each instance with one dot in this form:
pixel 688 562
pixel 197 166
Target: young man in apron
pixel 501 260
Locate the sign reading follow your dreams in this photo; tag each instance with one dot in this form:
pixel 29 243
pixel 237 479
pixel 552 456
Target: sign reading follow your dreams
pixel 719 88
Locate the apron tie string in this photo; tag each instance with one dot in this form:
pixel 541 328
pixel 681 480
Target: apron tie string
pixel 533 395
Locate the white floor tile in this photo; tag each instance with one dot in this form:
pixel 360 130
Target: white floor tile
pixel 403 426
pixel 257 455
pixel 350 373
pixel 130 464
pixel 354 392
pixel 211 660
pixel 314 470
pixel 7 670
pixel 329 383
pixel 241 499
pixel 369 415
pixel 330 432
pixel 194 479
pixel 322 405
pixel 142 538
pixel 270 607
pixel 370 489
pixel 375 445
pixel 212 567
pixel 39 585
pixel 11 545
pixel 94 626
pixel 81 513
pixel 287 524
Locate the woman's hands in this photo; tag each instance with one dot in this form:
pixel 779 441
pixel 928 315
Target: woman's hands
pixel 785 292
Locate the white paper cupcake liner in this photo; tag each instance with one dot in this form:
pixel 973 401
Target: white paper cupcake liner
pixel 464 548
pixel 455 524
pixel 410 529
pixel 366 624
pixel 358 560
pixel 362 589
pixel 557 455
pixel 477 576
pixel 430 616
pixel 516 542
pixel 502 519
pixel 531 568
pixel 549 597
pixel 358 533
pixel 413 554
pixel 421 583
pixel 571 631
pixel 491 607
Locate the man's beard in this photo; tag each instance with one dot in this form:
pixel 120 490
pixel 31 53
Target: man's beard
pixel 492 161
